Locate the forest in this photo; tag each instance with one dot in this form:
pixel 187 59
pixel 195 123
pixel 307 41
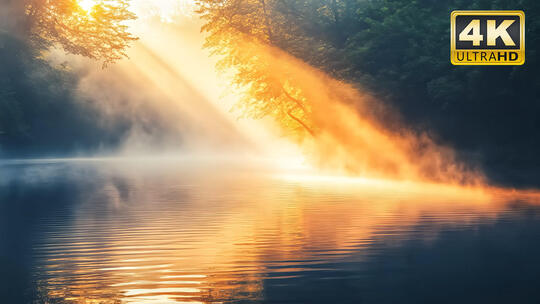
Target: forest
pixel 396 50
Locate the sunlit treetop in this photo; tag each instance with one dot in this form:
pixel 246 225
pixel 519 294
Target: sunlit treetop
pixel 92 28
pixel 241 33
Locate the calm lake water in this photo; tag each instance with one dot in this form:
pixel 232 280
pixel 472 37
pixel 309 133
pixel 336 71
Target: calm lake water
pixel 135 232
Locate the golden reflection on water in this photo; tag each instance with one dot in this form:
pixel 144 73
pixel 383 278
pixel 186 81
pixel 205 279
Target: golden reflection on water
pixel 168 238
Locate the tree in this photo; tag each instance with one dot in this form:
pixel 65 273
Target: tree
pixel 241 33
pixel 38 101
pixel 98 33
pixel 397 51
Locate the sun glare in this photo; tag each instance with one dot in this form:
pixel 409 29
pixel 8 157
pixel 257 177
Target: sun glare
pixel 166 10
pixel 87 5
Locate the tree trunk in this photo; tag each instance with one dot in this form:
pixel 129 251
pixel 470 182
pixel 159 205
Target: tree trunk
pixel 267 23
pixel 298 103
pixel 301 106
pixel 298 120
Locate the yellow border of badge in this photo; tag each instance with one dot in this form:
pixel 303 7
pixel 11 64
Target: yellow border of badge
pixel 521 15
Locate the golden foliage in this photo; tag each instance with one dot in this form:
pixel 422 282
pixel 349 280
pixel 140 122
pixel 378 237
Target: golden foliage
pixel 240 34
pixel 99 33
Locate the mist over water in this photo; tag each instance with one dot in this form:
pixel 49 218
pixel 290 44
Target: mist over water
pixel 177 102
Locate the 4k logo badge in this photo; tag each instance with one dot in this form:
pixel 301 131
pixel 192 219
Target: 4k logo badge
pixel 487 37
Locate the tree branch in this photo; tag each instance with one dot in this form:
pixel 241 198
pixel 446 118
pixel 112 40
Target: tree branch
pixel 298 103
pixel 298 120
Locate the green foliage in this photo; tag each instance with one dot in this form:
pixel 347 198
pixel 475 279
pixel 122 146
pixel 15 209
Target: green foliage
pixel 11 120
